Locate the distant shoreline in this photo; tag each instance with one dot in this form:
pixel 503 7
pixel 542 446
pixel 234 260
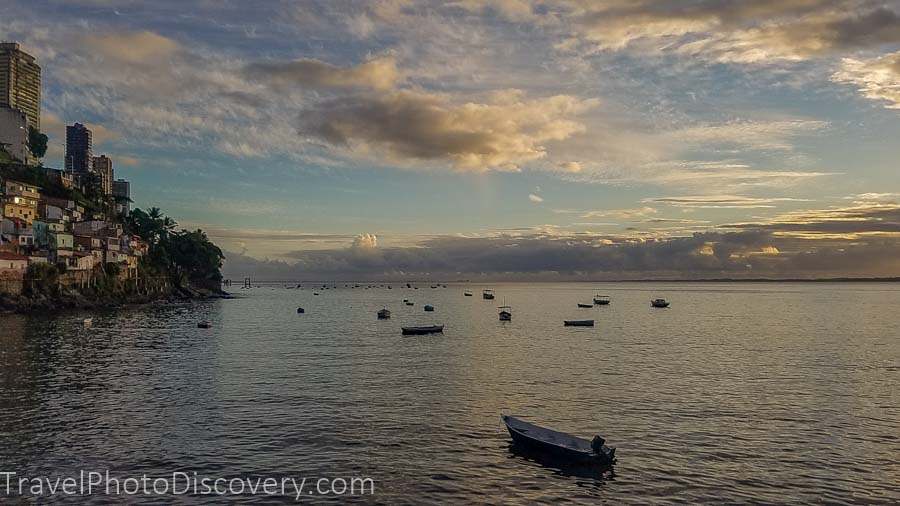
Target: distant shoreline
pixel 400 284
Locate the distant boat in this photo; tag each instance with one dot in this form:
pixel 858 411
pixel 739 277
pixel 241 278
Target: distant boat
pixel 384 314
pixel 409 303
pixel 429 308
pixel 87 322
pixel 659 303
pixel 205 324
pixel 602 300
pixel 315 293
pixel 468 293
pixel 412 331
pixel 585 305
pixel 405 300
pixel 389 287
pixel 300 310
pixel 559 444
pixel 578 323
pixel 505 313
pixel 487 294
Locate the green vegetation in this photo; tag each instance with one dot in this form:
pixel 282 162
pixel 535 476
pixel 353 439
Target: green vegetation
pixel 41 279
pixel 187 257
pixel 37 142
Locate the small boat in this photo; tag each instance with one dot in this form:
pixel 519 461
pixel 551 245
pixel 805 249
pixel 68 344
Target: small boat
pixel 487 294
pixel 405 300
pixel 659 303
pixel 415 331
pixel 384 314
pixel 602 300
pixel 429 308
pixel 578 323
pixel 585 305
pixel 468 294
pixel 315 293
pixel 205 324
pixel 408 303
pixel 300 310
pixel 87 322
pixel 559 444
pixel 505 313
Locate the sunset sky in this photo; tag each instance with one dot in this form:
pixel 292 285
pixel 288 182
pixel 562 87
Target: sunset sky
pixel 553 139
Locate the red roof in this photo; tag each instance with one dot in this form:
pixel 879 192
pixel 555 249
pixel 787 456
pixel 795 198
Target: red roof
pixel 12 256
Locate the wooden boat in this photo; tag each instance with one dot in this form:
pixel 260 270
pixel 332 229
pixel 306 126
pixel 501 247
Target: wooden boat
pixel 585 305
pixel 487 294
pixel 429 308
pixel 205 324
pixel 602 300
pixel 468 294
pixel 578 323
pixel 659 303
pixel 384 314
pixel 300 310
pixel 559 444
pixel 415 331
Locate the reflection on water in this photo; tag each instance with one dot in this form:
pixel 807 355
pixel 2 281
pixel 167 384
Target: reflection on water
pixel 737 393
pixel 562 466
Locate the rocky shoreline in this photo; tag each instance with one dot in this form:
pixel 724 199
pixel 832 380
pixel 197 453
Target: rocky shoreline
pixel 73 299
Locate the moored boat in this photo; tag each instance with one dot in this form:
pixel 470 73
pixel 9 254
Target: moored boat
pixel 467 293
pixel 585 305
pixel 87 322
pixel 410 303
pixel 204 324
pixel 429 308
pixel 602 300
pixel 300 310
pixel 384 314
pixel 487 294
pixel 559 444
pixel 659 303
pixel 505 313
pixel 414 331
pixel 578 323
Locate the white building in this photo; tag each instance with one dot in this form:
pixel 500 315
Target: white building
pixel 14 134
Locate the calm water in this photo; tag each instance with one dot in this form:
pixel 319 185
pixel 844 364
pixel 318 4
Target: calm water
pixel 737 393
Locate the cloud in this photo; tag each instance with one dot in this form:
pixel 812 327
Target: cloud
pixel 733 31
pixel 841 222
pixel 721 201
pixel 140 48
pixel 751 252
pixel 379 74
pixel 876 79
pixel 535 198
pixel 570 167
pixel 411 125
pixel 622 213
pixel 365 242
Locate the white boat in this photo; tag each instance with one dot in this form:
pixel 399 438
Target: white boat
pixel 487 294
pixel 467 293
pixel 87 322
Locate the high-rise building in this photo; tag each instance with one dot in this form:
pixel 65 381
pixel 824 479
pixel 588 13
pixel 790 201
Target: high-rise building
pixel 20 82
pixel 122 188
pixel 103 167
pixel 79 149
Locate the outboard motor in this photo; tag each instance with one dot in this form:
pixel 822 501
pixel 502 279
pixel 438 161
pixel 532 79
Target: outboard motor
pixel 597 445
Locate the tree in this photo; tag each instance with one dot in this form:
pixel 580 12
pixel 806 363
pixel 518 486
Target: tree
pixel 37 142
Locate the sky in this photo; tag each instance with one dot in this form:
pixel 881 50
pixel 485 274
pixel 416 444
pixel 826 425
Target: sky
pixel 505 139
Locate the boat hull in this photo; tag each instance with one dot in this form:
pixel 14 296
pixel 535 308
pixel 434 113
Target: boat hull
pixel 565 446
pixel 416 331
pixel 578 323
